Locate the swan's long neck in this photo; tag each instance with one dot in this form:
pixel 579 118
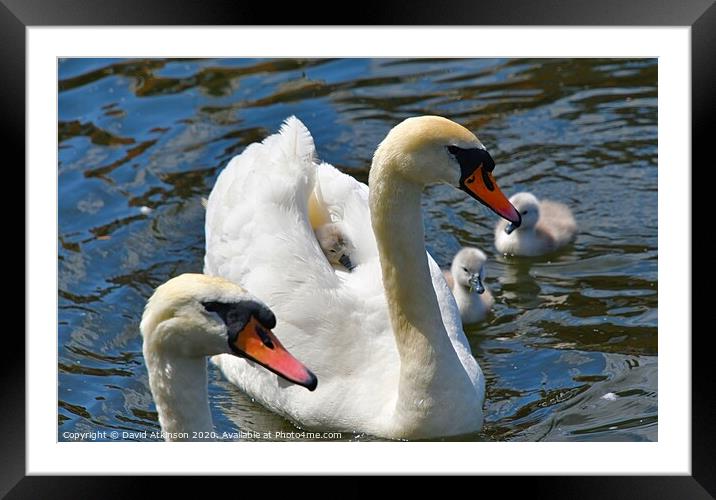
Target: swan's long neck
pixel 179 387
pixel 430 371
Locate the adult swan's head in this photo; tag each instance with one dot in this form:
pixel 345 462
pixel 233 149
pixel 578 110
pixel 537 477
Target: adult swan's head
pixel 194 316
pixel 432 149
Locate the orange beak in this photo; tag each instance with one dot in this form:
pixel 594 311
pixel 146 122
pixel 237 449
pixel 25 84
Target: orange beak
pixel 260 345
pixel 481 185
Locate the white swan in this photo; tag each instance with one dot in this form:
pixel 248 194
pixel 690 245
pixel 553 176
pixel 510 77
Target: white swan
pixel 546 227
pixel 194 316
pixel 385 340
pixel 466 278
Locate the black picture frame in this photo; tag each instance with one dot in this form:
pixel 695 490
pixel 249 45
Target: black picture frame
pixel 700 15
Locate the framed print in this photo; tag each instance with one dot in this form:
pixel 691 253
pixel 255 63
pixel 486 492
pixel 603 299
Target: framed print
pixel 211 202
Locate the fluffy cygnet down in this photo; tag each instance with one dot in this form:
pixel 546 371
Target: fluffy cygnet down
pixel 466 280
pixel 546 227
pixel 335 245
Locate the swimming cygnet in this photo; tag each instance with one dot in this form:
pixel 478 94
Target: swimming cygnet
pixel 466 280
pixel 335 244
pixel 546 227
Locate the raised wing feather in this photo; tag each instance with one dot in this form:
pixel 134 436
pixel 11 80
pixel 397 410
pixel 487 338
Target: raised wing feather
pixel 257 230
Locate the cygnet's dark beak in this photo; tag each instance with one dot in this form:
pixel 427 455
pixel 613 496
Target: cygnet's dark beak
pixel 476 284
pixel 510 227
pixel 345 260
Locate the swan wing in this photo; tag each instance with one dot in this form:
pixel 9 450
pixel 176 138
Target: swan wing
pixel 257 228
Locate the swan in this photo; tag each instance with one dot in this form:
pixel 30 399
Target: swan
pixel 385 339
pixel 466 278
pixel 191 317
pixel 546 227
pixel 335 244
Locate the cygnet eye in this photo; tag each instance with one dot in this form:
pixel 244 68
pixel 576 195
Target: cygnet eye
pixel 466 269
pixel 525 212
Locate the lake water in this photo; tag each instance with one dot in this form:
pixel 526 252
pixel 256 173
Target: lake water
pixel 570 351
